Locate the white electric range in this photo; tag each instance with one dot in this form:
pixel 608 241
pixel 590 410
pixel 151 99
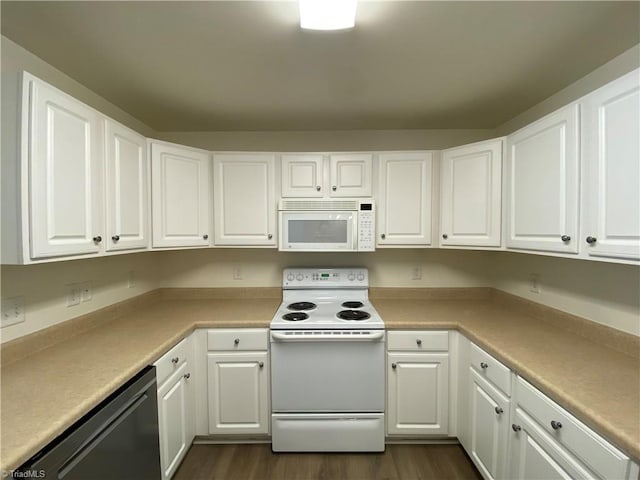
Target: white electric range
pixel 327 363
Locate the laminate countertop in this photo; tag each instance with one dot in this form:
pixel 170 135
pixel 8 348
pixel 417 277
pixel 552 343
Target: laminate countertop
pixel 47 390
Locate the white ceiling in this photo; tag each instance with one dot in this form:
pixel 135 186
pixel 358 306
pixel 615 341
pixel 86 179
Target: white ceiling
pixel 246 65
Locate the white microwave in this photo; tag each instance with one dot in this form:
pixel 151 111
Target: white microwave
pixel 326 225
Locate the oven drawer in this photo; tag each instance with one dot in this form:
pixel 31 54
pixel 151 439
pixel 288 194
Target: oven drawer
pixel 328 432
pixel 418 340
pixel 240 339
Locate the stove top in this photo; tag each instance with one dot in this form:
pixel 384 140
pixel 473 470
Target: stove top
pixel 321 298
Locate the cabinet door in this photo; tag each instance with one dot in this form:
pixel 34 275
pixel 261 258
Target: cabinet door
pixel 612 169
pixel 127 202
pixel 489 418
pixel 302 175
pixel 245 204
pixel 471 195
pixel 534 456
pixel 351 175
pixel 238 393
pixel 417 393
pixel 65 162
pixel 180 196
pixel 542 184
pixel 176 419
pixel 404 210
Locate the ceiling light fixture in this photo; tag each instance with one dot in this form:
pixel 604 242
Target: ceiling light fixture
pixel 327 14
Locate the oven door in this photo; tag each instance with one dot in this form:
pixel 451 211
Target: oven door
pixel 318 231
pixel 327 371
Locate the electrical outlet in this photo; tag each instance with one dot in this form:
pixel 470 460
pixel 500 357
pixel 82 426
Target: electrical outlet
pixel 74 294
pixel 131 279
pixel 416 273
pixel 12 311
pixel 85 292
pixel 534 283
pixel 237 272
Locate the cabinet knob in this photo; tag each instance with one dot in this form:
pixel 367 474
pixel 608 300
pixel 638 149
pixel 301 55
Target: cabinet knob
pixel 236 341
pixel 565 238
pixel 483 365
pixel 591 240
pixel 175 360
pixel 334 188
pixel 187 376
pixel 499 410
pixel 445 236
pixel 261 364
pixel 270 236
pixel 205 236
pixel 393 365
pixel 115 238
pixel 318 188
pixel 97 239
pixel 556 425
pixel 418 341
pixel 516 428
pixel 383 236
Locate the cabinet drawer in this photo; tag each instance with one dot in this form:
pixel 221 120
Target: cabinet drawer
pixel 590 448
pixel 491 369
pixel 418 340
pixel 238 339
pixel 171 361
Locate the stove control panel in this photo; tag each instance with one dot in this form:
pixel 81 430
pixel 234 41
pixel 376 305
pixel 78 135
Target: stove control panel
pixel 298 278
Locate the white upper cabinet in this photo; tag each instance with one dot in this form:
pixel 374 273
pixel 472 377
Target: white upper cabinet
pixel 351 174
pixel 611 163
pixel 471 194
pixel 542 184
pixel 127 177
pixel 65 172
pixel 245 205
pixel 302 175
pixel 405 198
pixel 180 187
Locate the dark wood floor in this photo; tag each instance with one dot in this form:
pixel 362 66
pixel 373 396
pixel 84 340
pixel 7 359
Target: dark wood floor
pixel 257 462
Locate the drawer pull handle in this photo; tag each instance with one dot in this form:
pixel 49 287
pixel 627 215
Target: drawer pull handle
pixel 565 238
pixel 187 376
pixel 175 360
pixel 499 410
pixel 261 364
pixel 97 239
pixel 393 365
pixel 591 240
pixel 318 188
pixel 419 342
pixel 483 365
pixel 236 341
pixel 516 428
pixel 556 425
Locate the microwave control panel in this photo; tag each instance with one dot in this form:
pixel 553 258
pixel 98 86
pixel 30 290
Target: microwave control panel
pixel 366 228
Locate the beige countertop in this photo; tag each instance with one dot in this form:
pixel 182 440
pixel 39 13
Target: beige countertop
pixel 44 392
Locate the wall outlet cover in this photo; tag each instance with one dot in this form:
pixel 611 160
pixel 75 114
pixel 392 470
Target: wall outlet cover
pixel 12 311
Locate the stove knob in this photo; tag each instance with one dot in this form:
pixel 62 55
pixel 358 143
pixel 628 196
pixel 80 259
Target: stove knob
pixel 361 276
pixel 290 277
pixel 351 277
pixel 299 277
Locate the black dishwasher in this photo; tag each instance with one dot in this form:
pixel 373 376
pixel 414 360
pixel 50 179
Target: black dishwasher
pixel 118 439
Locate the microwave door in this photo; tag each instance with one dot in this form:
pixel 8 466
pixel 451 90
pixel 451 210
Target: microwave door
pixel 316 231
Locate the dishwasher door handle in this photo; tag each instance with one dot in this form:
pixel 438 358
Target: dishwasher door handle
pixel 100 434
pixel 327 336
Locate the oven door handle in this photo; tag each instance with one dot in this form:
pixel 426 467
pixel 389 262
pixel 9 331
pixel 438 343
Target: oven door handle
pixel 327 337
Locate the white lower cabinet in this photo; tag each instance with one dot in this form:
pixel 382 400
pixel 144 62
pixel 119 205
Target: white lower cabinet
pixel 238 382
pixel 489 429
pixel 417 387
pixel 549 442
pixel 176 401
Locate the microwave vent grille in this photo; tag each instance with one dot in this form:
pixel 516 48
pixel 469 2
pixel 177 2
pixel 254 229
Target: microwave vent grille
pixel 319 205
